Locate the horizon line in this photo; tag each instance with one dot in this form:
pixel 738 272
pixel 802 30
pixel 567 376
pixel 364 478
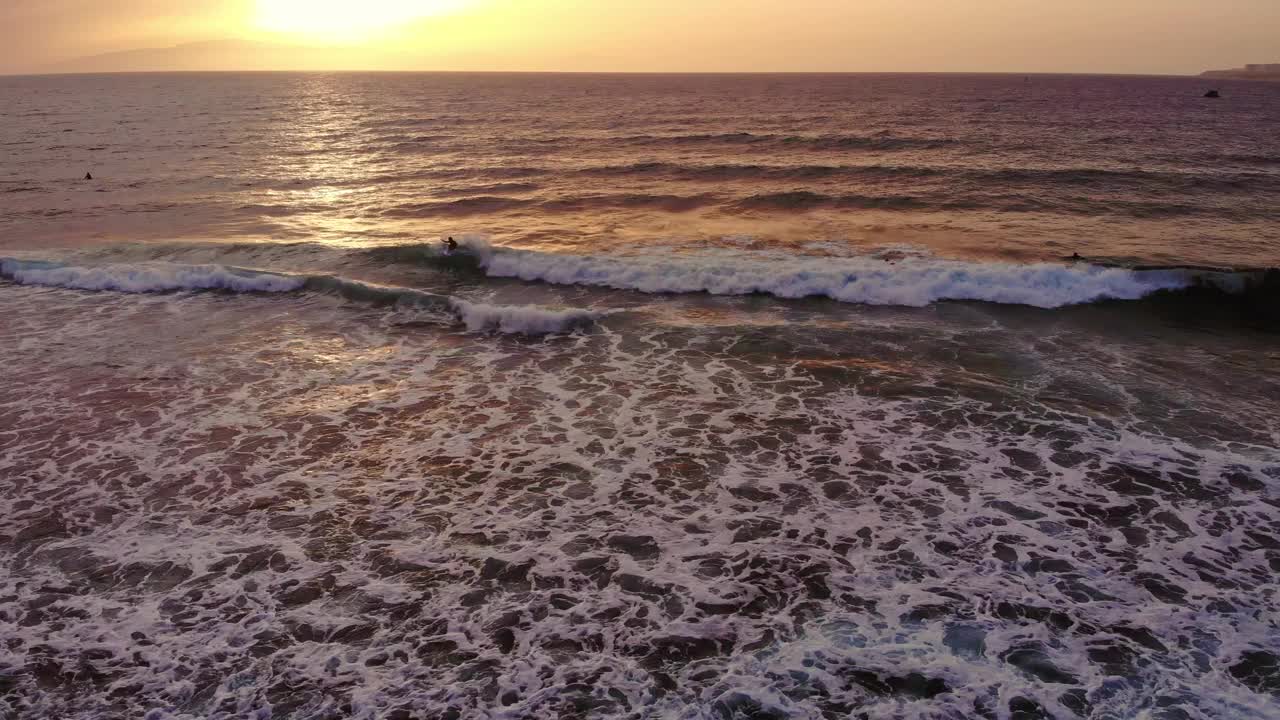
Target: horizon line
pixel 1038 73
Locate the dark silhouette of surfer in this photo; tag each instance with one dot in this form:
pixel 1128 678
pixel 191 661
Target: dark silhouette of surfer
pixel 450 246
pixel 88 176
pixel 1213 94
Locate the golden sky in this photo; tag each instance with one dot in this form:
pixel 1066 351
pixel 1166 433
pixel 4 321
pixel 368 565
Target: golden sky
pixel 1138 36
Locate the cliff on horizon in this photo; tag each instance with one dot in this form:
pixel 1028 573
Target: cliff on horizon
pixel 1270 71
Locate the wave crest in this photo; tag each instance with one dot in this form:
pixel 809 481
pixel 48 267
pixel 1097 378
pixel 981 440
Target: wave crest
pixel 155 277
pixel 147 277
pixel 520 319
pixel 913 282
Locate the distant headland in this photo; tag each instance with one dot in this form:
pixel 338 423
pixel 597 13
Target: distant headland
pixel 1269 71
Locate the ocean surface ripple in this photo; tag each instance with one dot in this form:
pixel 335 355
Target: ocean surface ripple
pixel 812 397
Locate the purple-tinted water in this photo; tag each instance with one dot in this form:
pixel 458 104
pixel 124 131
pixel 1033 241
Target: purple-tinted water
pixel 999 166
pixel 742 397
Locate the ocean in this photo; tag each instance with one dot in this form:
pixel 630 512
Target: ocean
pixel 742 396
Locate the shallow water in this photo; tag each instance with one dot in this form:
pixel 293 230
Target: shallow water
pixel 615 459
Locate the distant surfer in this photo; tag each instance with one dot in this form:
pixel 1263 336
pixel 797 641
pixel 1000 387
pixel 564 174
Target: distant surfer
pixel 450 246
pixel 88 176
pixel 1076 256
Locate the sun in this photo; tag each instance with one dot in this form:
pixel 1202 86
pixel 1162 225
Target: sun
pixel 344 20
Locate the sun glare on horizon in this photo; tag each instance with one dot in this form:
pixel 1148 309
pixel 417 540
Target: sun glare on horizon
pixel 344 20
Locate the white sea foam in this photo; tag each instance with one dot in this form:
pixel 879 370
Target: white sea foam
pixel 521 319
pixel 147 277
pixel 167 277
pixel 648 524
pixel 912 282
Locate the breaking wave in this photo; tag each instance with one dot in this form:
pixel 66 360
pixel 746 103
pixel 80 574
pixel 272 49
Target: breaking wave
pixel 520 319
pixel 147 277
pixel 912 282
pixel 155 277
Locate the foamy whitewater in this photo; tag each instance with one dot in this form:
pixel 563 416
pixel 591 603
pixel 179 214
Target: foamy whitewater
pixel 170 277
pixel 874 281
pixel 748 397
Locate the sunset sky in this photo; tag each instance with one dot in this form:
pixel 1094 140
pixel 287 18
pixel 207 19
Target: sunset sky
pixel 1119 36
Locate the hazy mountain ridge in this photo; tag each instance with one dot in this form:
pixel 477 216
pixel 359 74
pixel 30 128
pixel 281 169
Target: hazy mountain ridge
pixel 1248 72
pixel 222 55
